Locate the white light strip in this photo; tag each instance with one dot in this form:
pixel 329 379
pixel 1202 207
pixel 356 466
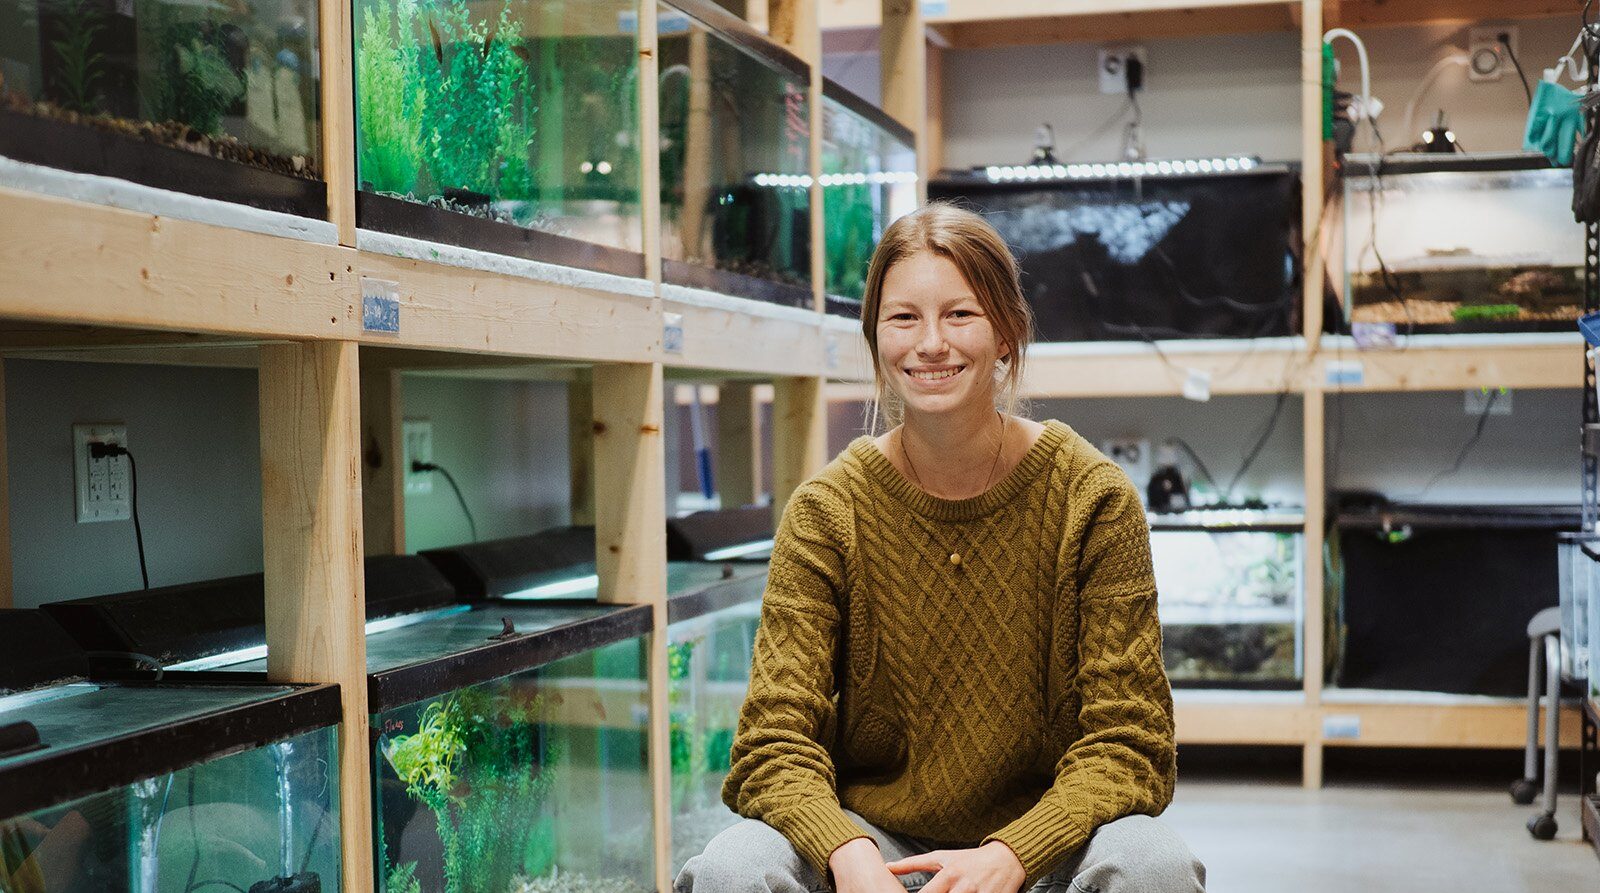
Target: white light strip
pixel 563 587
pixel 1120 169
pixel 856 178
pixel 39 696
pixel 740 551
pixel 257 652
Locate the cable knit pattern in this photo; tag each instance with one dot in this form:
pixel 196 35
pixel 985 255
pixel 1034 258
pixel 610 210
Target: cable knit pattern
pixel 1015 693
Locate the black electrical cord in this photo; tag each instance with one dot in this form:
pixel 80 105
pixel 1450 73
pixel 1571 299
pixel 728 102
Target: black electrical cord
pixel 1199 464
pixel 1505 41
pixel 434 466
pixel 1260 444
pixel 1466 448
pixel 99 450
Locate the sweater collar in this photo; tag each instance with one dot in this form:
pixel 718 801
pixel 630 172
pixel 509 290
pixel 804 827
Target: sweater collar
pixel 882 473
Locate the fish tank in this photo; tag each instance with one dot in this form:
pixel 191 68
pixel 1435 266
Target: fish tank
pixel 735 158
pixel 163 783
pixel 1231 604
pixel 216 99
pixel 869 179
pixel 1140 251
pixel 1461 243
pixel 712 615
pixel 509 126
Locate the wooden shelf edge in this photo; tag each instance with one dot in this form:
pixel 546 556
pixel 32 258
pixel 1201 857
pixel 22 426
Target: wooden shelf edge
pixel 1422 725
pixel 840 14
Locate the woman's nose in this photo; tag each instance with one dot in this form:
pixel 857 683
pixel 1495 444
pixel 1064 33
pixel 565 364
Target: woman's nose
pixel 932 342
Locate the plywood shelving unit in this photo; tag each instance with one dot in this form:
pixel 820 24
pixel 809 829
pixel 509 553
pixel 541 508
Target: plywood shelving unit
pixel 1306 365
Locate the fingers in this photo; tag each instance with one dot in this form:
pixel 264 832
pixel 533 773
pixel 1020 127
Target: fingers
pixel 943 882
pixel 928 862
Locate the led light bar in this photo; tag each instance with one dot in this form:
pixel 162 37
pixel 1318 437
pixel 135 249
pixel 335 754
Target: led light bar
pixel 858 178
pixel 787 181
pixel 258 652
pixel 1120 169
pixel 559 588
pixel 740 551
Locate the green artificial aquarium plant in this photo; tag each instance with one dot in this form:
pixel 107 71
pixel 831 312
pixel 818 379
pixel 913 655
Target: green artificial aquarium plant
pixel 480 764
pixel 80 68
pixel 389 97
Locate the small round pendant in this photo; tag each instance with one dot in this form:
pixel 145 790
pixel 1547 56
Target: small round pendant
pixel 955 558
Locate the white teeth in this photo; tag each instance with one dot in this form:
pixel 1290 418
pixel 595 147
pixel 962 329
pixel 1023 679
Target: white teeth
pixel 934 376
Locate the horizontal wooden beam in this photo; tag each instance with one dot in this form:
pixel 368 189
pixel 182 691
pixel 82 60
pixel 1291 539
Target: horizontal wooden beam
pixel 1104 27
pixel 1440 725
pixel 1243 723
pixel 69 261
pixel 866 13
pixel 1375 13
pixel 1443 365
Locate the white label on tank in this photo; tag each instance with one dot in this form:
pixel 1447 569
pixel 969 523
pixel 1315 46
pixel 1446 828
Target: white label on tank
pixel 1341 726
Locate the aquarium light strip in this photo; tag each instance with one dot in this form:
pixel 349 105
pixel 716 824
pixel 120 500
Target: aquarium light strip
pixel 257 652
pixel 40 696
pixel 740 550
pixel 559 588
pixel 1120 169
pixel 875 178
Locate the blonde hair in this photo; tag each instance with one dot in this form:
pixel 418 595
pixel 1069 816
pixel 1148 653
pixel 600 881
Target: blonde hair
pixel 984 261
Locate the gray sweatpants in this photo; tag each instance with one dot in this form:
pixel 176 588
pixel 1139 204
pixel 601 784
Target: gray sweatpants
pixel 1137 854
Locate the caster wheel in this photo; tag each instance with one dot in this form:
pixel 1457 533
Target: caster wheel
pixel 1523 791
pixel 1542 827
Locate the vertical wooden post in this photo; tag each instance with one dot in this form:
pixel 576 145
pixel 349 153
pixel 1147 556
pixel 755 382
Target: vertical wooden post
pixel 6 597
pixel 799 435
pixel 311 534
pixel 383 480
pixel 580 448
pixel 738 445
pixel 930 154
pixel 630 507
pixel 1315 418
pixel 650 139
pixel 338 116
pixel 906 77
pixel 1311 170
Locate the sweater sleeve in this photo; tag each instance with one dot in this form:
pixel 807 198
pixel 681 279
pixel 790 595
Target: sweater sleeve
pixel 1124 762
pixel 782 772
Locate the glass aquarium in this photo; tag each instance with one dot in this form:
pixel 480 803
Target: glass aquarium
pixel 735 150
pixel 170 786
pixel 1578 576
pixel 509 126
pixel 532 780
pixel 1461 244
pixel 869 178
pixel 711 635
pixel 1231 608
pixel 1139 251
pixel 212 98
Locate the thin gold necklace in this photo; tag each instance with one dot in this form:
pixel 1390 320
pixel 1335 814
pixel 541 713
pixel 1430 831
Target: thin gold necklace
pixel 998 449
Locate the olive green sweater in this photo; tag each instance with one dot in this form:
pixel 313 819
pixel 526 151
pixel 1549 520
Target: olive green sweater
pixel 958 670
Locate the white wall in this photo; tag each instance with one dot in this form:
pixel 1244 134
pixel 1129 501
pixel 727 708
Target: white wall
pixel 195 436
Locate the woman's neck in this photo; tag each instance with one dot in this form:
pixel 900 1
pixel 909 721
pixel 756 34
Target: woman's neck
pixel 953 456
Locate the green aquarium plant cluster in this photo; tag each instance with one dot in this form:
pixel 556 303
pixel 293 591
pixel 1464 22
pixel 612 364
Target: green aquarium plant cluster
pixel 503 110
pixel 222 79
pixel 478 762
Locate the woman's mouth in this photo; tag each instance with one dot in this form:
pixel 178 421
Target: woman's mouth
pixel 935 374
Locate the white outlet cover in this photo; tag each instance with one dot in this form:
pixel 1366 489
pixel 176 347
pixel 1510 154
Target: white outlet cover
pixel 1133 454
pixel 1478 398
pixel 1486 59
pixel 104 487
pixel 416 435
pixel 1113 66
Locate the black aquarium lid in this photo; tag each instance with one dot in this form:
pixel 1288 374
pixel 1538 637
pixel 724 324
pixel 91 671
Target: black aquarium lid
pixel 693 537
pixel 1435 162
pixel 736 584
pixel 173 624
pixel 495 568
pixel 561 629
pixel 35 651
pixel 103 738
pixel 1358 516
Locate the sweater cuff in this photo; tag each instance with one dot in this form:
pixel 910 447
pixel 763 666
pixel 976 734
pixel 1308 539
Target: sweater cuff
pixel 817 828
pixel 1043 837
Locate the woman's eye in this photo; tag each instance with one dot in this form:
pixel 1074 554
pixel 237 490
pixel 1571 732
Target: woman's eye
pixel 962 314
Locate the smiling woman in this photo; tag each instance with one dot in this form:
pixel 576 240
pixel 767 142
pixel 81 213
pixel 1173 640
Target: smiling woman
pixel 957 680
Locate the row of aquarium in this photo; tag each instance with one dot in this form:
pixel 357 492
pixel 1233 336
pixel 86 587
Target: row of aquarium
pixel 143 749
pixel 510 126
pixel 1211 248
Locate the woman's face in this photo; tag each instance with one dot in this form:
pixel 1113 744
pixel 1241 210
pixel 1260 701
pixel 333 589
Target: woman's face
pixel 936 347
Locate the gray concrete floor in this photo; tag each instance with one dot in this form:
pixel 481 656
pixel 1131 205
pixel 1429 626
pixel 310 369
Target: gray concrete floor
pixel 1273 837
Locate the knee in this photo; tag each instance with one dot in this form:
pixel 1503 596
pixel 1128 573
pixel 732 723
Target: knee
pixel 1140 854
pixel 750 857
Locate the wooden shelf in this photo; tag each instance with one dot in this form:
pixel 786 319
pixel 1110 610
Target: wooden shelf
pixel 1454 362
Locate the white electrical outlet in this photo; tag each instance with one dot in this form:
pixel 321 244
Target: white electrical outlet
pixel 417 435
pixel 1486 57
pixel 1114 67
pixel 1133 455
pixel 104 486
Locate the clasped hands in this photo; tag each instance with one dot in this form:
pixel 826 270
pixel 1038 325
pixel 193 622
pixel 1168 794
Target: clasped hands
pixel 858 867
